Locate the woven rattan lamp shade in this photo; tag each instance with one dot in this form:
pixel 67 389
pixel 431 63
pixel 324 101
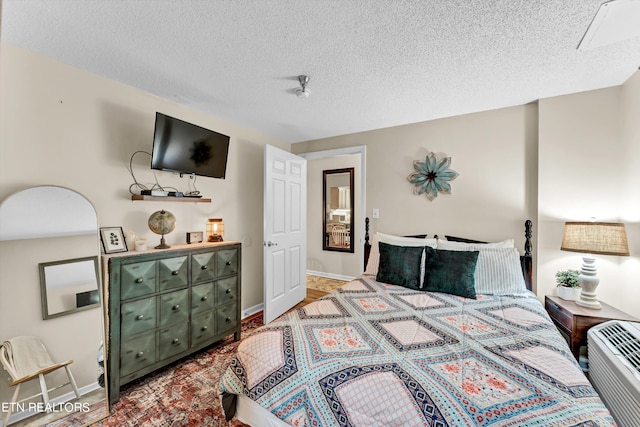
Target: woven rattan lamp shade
pixel 607 238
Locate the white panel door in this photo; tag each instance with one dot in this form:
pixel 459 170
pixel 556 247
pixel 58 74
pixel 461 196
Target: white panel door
pixel 285 231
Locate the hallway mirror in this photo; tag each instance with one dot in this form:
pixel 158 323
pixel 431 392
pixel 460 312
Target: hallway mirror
pixel 338 218
pixel 49 255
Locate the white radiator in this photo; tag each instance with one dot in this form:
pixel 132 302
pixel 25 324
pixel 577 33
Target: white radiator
pixel 614 368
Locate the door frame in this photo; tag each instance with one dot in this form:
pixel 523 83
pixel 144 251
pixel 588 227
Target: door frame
pixel 362 151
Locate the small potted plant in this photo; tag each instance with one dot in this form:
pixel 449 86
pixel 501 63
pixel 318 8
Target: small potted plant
pixel 568 284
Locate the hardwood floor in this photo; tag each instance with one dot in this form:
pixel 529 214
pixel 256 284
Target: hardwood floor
pixel 314 284
pixel 312 295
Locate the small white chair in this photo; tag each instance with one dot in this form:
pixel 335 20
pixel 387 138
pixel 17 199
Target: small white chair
pixel 340 235
pixel 26 358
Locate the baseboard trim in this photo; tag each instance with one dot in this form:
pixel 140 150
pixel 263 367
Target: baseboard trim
pixel 330 275
pixel 252 310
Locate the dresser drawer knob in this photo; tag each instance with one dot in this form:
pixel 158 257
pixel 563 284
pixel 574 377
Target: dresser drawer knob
pixel 204 328
pixel 228 262
pixel 204 267
pixel 139 317
pixel 228 291
pixel 176 307
pixel 139 280
pixel 175 273
pixel 140 354
pixel 228 320
pixel 204 298
pixel 175 341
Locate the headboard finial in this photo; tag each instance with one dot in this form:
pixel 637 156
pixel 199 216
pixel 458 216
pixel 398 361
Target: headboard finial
pixel 367 245
pixel 366 230
pixel 528 225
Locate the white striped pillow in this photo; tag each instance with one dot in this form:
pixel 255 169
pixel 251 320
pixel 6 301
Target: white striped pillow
pixel 451 245
pixel 374 255
pixel 498 270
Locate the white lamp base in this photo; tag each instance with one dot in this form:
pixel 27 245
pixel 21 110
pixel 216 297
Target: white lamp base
pixel 588 282
pixel 588 301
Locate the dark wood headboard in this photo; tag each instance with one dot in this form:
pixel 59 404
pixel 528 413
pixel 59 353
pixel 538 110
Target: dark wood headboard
pixel 526 260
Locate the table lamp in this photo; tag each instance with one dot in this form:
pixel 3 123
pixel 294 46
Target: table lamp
pixel 215 230
pixel 603 238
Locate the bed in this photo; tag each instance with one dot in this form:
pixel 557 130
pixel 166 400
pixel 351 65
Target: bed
pixel 436 332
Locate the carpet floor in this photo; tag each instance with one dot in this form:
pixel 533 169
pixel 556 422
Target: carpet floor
pixel 184 393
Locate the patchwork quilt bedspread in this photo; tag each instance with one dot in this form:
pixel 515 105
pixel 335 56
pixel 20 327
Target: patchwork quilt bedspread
pixel 371 354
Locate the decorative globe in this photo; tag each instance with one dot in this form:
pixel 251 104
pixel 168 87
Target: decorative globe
pixel 162 222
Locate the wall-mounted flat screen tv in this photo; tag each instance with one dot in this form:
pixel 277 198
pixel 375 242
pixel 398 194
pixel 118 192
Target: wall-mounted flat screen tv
pixel 185 148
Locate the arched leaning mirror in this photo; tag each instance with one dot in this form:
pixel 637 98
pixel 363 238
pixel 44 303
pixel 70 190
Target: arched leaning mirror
pixel 337 200
pixel 49 282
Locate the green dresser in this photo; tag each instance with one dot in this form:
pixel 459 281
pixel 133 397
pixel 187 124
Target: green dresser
pixel 166 304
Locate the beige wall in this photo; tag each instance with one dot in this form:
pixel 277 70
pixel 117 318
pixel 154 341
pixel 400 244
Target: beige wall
pixel 494 152
pixel 566 158
pixel 631 155
pixel 60 125
pixel 589 167
pixel 629 273
pixel 338 264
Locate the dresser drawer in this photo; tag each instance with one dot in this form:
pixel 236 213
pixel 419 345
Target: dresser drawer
pixel 138 316
pixel 226 318
pixel 559 315
pixel 173 340
pixel 137 353
pixel 226 291
pixel 203 267
pixel 227 262
pixel 137 279
pixel 203 328
pixel 167 304
pixel 174 307
pixel 173 273
pixel 202 298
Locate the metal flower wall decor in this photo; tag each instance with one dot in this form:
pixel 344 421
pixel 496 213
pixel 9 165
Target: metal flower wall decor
pixel 433 175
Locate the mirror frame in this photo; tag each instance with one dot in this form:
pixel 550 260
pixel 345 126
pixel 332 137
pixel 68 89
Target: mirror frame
pixel 326 208
pixel 43 287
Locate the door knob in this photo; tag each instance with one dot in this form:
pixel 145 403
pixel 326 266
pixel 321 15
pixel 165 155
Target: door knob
pixel 270 243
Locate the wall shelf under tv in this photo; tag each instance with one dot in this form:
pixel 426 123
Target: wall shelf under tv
pixel 140 198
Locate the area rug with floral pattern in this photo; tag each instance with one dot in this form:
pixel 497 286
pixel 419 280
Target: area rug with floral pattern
pixel 184 393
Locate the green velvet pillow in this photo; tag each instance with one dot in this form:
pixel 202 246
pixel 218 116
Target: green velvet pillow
pixel 400 265
pixel 451 272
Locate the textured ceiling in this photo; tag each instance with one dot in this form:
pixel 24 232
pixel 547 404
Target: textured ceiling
pixel 372 64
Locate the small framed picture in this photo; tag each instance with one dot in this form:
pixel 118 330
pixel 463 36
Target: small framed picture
pixel 112 240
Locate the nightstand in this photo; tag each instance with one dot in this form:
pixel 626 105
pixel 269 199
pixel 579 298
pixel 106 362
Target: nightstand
pixel 573 321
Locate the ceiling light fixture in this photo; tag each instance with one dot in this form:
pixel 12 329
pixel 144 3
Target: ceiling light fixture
pixel 302 91
pixel 615 21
